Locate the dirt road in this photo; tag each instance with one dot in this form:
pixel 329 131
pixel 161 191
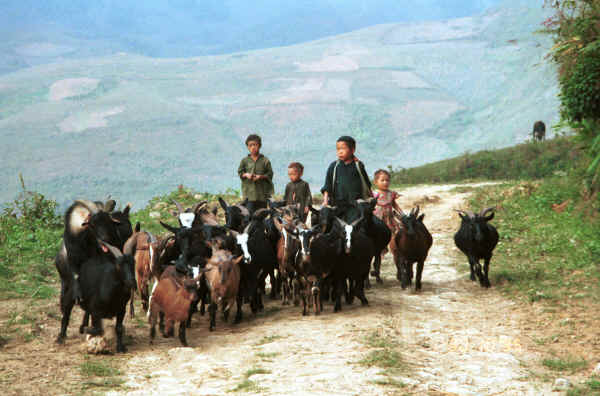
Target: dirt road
pixel 453 337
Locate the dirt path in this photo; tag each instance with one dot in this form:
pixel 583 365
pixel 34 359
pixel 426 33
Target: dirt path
pixel 453 337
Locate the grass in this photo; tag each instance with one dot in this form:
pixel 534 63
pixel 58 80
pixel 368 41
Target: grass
pixel 268 339
pixel 524 161
pixel 247 385
pixel 543 255
pixel 569 364
pixel 591 387
pixel 387 381
pixel 97 368
pixel 267 356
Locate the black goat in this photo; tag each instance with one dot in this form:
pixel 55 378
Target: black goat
pixel 355 263
pixel 85 222
pixel 539 131
pixel 107 281
pixel 411 244
pixel 477 240
pixel 377 230
pixel 237 216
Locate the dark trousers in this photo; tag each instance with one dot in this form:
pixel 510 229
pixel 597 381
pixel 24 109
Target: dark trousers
pixel 253 206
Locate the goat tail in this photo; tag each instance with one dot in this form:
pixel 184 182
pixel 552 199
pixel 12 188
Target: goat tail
pixel 150 299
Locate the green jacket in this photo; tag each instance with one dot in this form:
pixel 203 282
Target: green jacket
pixel 298 192
pixel 258 190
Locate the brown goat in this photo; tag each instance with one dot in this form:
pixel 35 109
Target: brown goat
pixel 287 248
pixel 171 297
pixel 411 244
pixel 144 248
pixel 223 275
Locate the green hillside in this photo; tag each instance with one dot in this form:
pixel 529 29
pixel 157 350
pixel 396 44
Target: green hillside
pixel 414 93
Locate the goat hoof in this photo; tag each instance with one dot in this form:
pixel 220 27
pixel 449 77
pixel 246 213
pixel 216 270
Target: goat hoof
pixel 211 328
pixel 81 329
pixel 364 302
pixel 60 340
pixel 121 348
pixel 378 279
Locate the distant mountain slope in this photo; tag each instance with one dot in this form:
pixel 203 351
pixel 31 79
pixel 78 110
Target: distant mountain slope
pixel 183 28
pixel 410 93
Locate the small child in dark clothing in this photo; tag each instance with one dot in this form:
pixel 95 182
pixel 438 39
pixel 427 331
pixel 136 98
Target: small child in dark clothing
pixel 346 181
pixel 297 190
pixel 256 174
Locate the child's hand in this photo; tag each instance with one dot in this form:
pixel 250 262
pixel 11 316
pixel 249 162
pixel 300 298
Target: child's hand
pixel 247 176
pixel 306 209
pixel 256 177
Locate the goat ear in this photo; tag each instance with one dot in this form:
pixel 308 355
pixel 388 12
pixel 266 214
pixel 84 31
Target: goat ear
pixel 244 202
pixel 489 217
pixel 215 209
pixel 223 203
pixel 421 217
pixel 137 227
pixel 116 221
pixel 313 210
pixel 127 209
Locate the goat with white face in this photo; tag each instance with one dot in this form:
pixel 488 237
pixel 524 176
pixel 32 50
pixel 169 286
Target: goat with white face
pixel 355 263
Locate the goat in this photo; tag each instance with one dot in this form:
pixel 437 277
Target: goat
pixel 539 131
pixel 237 216
pixel 196 215
pixel 144 247
pixel 106 284
pixel 171 298
pixel 223 279
pixel 287 249
pixel 377 230
pixel 411 244
pixel 85 222
pixel 355 263
pixel 477 240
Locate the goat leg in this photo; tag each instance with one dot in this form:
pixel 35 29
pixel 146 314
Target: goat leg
pixel 119 332
pixel 85 322
pixel 66 306
pixel 212 310
pixel 238 313
pixel 96 329
pixel 486 268
pixel 419 273
pixel 377 268
pixel 161 323
pixel 360 291
pixel 472 267
pixel 182 326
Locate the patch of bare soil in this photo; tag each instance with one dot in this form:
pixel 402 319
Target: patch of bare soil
pixel 453 338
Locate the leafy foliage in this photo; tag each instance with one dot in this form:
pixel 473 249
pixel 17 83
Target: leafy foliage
pixel 576 31
pixel 30 231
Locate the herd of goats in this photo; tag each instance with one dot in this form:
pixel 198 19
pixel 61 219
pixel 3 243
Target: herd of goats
pixel 103 260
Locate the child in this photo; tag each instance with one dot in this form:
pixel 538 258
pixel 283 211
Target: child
pixel 256 175
pixel 386 200
pixel 346 181
pixel 297 190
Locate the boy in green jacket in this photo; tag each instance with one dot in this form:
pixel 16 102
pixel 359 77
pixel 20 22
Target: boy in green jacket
pixel 256 174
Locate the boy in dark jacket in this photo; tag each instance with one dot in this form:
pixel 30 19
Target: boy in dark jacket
pixel 297 190
pixel 346 181
pixel 256 174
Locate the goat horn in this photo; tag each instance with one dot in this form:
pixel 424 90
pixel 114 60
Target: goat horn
pixel 130 245
pixel 198 206
pixel 355 222
pixel 484 211
pixel 109 205
pixel 89 205
pixel 113 250
pixel 178 205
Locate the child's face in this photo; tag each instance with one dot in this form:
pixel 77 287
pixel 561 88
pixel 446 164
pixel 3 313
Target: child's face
pixel 253 147
pixel 383 182
pixel 344 152
pixel 294 174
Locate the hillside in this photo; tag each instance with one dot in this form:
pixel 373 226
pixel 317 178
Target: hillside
pixel 410 93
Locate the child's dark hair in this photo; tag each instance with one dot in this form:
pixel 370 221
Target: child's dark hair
pixel 349 140
pixel 379 172
pixel 254 138
pixel 298 166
